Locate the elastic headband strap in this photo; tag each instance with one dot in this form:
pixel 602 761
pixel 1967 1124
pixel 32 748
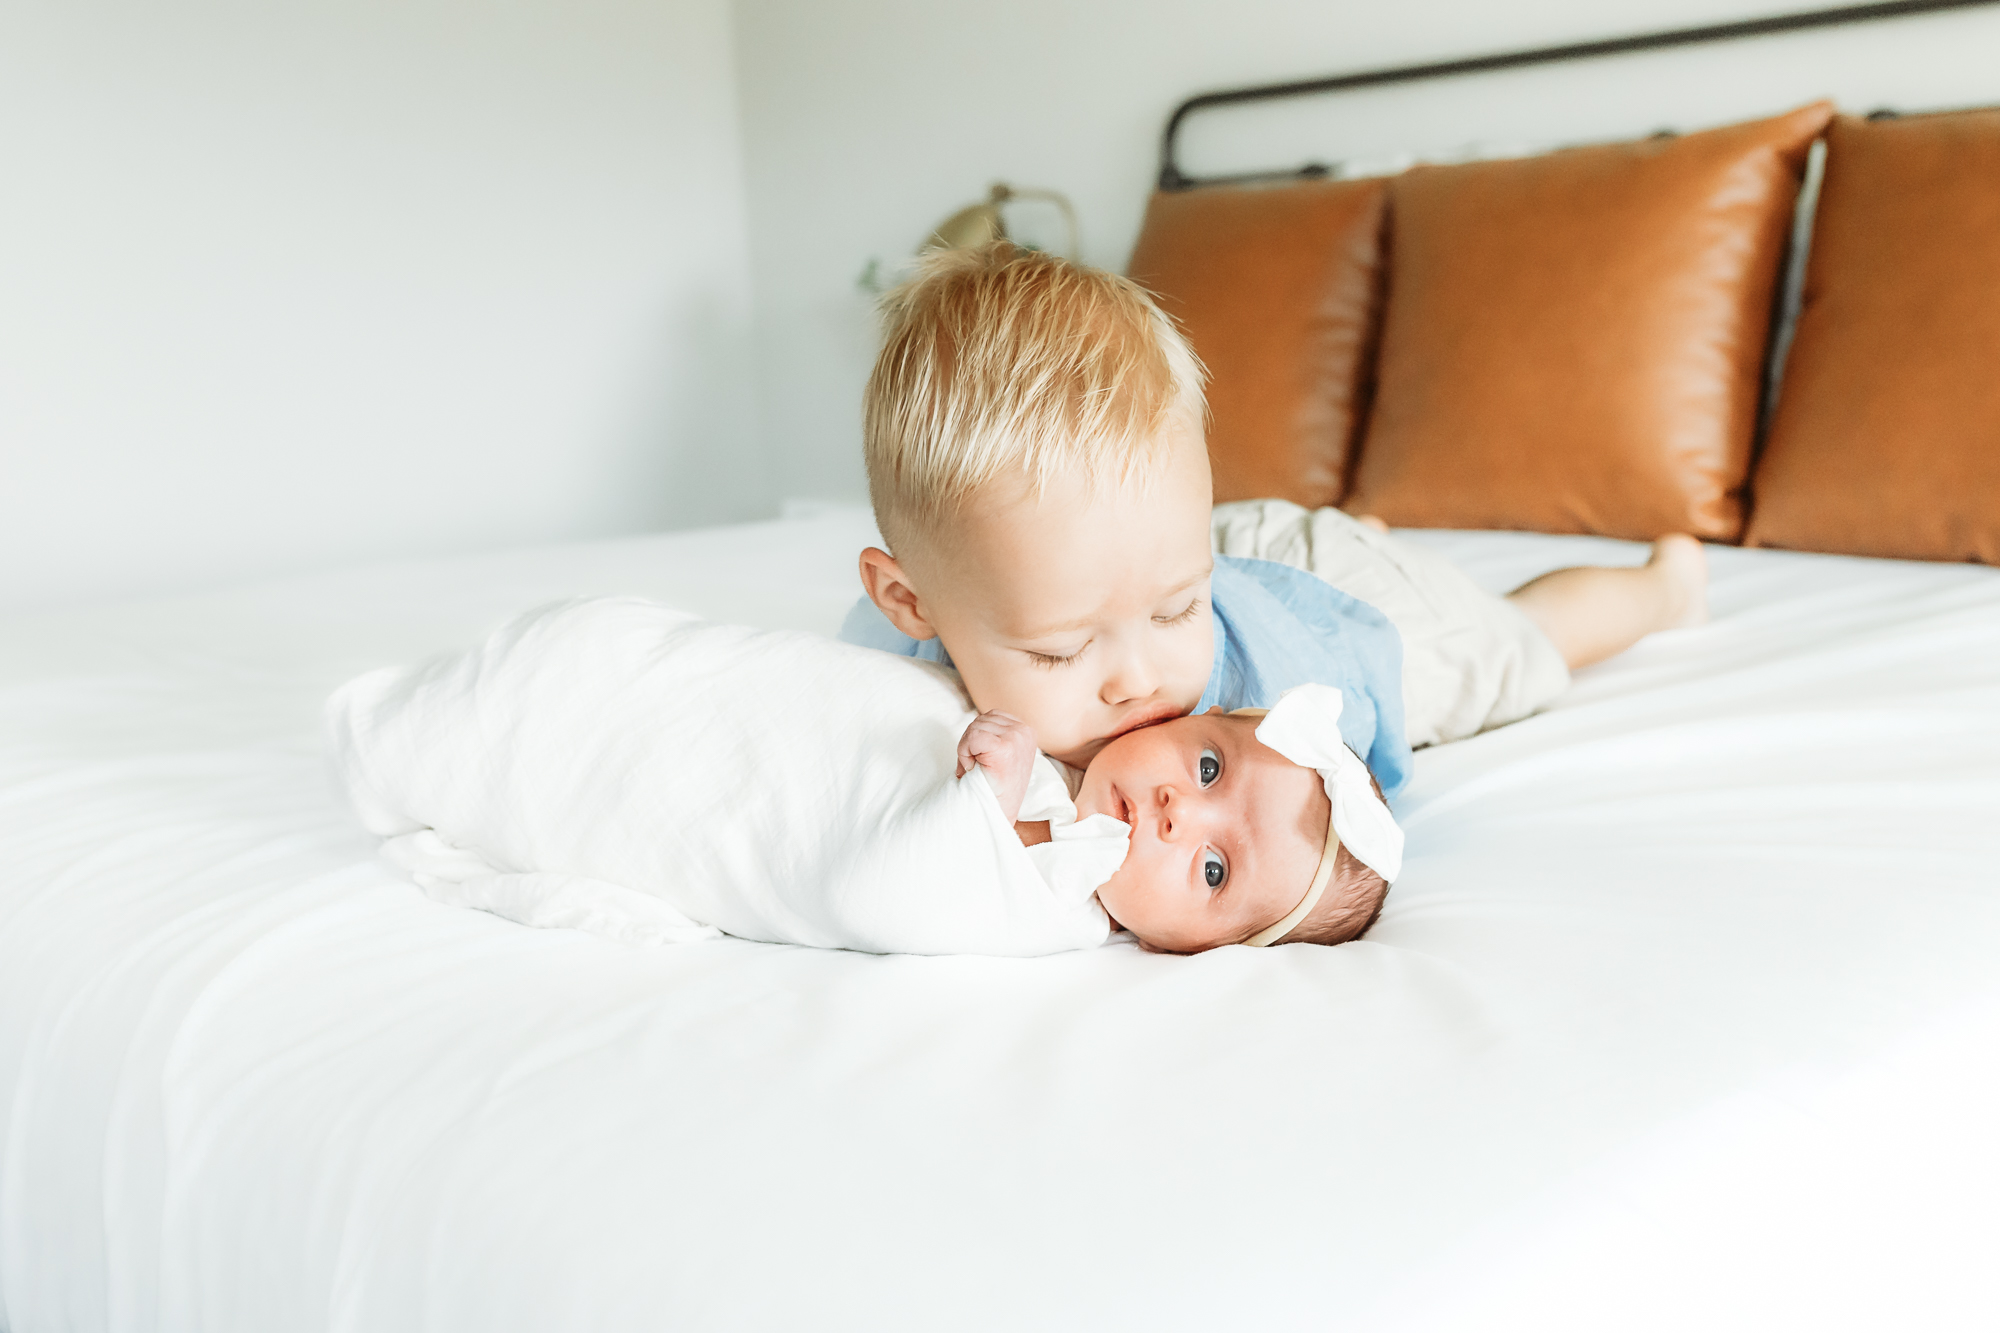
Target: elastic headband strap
pixel 1322 874
pixel 1321 878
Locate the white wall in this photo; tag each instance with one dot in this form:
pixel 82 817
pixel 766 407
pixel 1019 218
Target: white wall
pixel 866 121
pixel 285 285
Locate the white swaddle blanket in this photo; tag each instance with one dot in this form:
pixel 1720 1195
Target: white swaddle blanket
pixel 633 771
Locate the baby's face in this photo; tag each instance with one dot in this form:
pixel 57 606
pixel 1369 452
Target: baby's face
pixel 1083 615
pixel 1226 833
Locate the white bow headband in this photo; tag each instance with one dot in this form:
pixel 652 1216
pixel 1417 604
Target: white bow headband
pixel 1305 728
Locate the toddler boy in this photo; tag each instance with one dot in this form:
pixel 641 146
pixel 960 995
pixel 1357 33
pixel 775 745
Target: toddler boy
pixel 1034 440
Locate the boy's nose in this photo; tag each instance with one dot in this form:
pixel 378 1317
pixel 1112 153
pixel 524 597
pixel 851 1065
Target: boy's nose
pixel 1132 678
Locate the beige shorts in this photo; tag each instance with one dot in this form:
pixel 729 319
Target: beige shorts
pixel 1471 660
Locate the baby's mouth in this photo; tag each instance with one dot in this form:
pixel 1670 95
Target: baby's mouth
pixel 1124 806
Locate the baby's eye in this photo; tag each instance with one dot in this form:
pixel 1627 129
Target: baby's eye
pixel 1210 767
pixel 1213 870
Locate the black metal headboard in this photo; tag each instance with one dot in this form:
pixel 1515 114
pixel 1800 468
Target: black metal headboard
pixel 1173 178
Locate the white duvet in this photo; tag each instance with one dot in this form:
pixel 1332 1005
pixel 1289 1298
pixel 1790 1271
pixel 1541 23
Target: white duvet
pixel 631 770
pixel 1684 1014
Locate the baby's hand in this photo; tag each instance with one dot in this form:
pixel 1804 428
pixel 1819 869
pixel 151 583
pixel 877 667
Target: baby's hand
pixel 1004 746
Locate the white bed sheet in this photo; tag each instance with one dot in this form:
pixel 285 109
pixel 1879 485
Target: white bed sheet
pixel 1686 1013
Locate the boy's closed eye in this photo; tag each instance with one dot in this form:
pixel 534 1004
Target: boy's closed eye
pixel 1042 659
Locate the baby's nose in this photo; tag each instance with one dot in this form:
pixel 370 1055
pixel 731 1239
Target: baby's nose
pixel 1186 813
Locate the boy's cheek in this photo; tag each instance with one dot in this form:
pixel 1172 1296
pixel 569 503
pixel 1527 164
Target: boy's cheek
pixel 1020 691
pixel 1051 711
pixel 1052 708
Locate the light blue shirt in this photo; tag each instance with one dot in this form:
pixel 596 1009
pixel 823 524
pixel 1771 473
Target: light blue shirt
pixel 1275 627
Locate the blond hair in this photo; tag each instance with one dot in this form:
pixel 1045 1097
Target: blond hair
pixel 998 361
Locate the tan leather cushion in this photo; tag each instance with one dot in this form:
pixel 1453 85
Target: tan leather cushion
pixel 1575 342
pixel 1277 288
pixel 1887 435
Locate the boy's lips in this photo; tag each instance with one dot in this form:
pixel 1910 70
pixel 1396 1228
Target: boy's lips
pixel 1145 717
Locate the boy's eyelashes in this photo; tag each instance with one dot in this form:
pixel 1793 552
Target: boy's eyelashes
pixel 1052 660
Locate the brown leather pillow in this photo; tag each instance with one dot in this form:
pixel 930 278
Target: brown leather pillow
pixel 1575 342
pixel 1277 288
pixel 1887 434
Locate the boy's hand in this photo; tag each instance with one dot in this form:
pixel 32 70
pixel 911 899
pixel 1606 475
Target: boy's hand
pixel 1004 746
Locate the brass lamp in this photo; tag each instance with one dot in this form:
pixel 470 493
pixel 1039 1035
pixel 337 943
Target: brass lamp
pixel 979 223
pixel 973 225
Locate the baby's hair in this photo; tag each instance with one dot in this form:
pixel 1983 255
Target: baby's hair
pixel 1350 907
pixel 998 360
pixel 1352 902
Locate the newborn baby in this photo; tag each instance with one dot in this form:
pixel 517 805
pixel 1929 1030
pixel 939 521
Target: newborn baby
pixel 623 768
pixel 1246 828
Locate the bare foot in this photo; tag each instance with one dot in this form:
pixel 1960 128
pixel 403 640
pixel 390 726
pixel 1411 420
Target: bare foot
pixel 1370 521
pixel 1682 567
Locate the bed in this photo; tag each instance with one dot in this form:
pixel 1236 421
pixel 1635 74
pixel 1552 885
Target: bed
pixel 1686 1013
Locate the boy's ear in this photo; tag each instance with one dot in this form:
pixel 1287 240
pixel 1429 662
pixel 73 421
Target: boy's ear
pixel 889 588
